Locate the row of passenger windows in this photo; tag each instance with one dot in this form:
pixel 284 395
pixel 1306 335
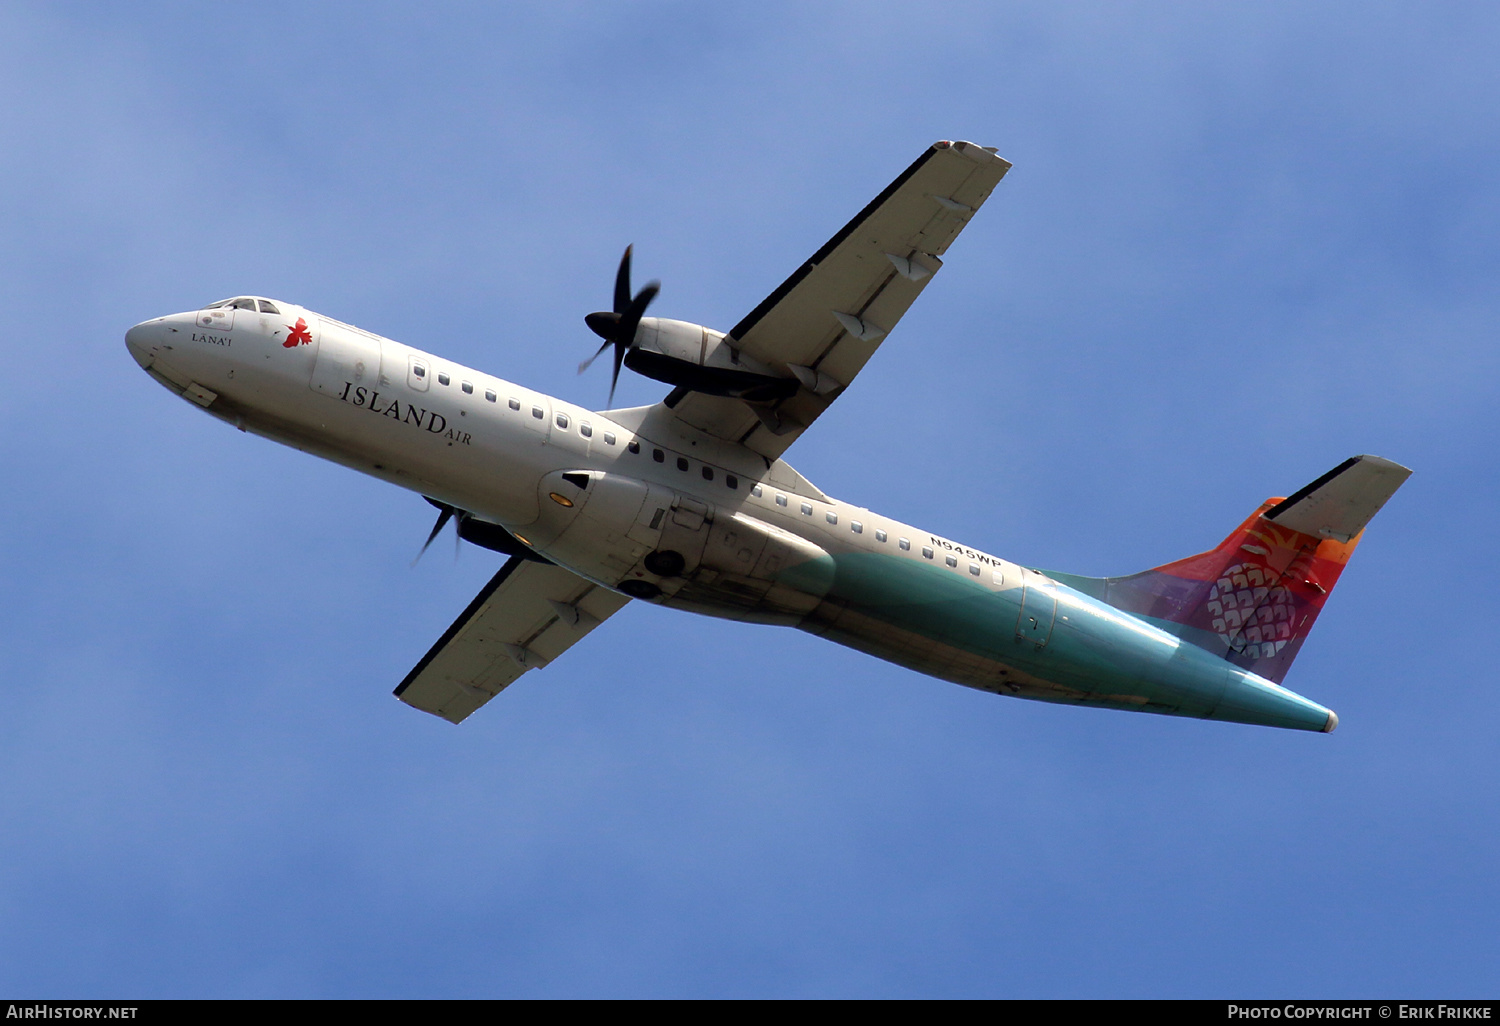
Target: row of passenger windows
pixel 587 431
pixel 584 427
pixel 467 387
pixel 684 464
pixel 858 527
pixel 633 447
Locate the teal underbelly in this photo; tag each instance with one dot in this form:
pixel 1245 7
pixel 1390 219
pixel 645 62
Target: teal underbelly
pixel 944 622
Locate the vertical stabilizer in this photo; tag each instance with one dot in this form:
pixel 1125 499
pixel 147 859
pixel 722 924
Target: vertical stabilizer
pixel 1255 597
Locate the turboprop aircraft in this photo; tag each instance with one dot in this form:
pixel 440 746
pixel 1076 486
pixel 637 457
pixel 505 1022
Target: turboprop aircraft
pixel 689 503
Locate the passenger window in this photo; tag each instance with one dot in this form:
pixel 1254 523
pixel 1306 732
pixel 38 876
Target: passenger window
pixel 442 378
pixel 682 464
pixel 489 394
pixel 856 527
pixel 905 544
pixel 609 438
pixel 266 306
pixel 634 447
pixel 780 500
pixel 419 370
pixel 950 560
pixel 658 456
pixel 807 509
pixel 756 491
pixel 514 404
pixel 879 534
pixel 562 421
pixel 585 429
pixel 998 578
pixel 926 551
pixel 832 518
pixel 731 480
pixel 537 414
pixel 708 473
pixel 974 569
pixel 468 388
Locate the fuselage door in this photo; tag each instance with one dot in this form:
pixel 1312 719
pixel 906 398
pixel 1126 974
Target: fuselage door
pixel 346 360
pixel 1038 609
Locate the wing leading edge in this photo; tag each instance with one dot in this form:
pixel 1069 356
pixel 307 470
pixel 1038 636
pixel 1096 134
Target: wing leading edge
pixel 825 321
pixel 526 616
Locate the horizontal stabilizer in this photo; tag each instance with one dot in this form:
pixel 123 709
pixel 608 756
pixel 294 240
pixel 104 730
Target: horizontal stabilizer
pixel 1339 504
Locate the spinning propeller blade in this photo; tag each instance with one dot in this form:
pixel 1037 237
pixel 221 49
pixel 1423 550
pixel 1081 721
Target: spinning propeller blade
pixel 446 513
pixel 618 326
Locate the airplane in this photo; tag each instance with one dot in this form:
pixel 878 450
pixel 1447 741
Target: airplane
pixel 688 503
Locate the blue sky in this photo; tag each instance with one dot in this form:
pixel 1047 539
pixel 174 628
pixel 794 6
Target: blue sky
pixel 1239 244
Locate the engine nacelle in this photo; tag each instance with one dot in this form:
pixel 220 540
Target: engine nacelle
pixel 701 359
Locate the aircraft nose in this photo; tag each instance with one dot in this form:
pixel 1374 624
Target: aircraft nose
pixel 141 340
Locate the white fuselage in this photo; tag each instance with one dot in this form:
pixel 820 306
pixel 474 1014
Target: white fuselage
pixel 639 504
pixel 487 445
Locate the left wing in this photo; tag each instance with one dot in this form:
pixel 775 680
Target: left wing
pixel 825 321
pixel 527 616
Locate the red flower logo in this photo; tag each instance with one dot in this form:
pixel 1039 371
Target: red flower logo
pixel 300 336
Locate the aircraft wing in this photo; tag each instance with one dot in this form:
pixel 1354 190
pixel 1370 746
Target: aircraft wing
pixel 528 615
pixel 831 315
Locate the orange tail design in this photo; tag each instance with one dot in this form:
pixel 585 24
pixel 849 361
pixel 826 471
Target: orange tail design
pixel 1254 598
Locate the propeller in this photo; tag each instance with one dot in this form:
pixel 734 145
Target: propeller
pixel 446 514
pixel 618 326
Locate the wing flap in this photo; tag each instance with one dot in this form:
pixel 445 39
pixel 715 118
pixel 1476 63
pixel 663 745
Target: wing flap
pixel 526 616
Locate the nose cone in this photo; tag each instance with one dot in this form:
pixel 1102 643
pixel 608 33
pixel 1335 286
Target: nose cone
pixel 142 341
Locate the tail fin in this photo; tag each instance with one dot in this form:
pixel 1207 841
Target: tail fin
pixel 1254 598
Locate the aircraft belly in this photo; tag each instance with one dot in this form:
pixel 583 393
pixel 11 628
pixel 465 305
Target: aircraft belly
pixel 652 541
pixel 941 623
pixel 753 571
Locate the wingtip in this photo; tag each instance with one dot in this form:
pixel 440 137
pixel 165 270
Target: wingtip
pixel 975 152
pixel 1382 461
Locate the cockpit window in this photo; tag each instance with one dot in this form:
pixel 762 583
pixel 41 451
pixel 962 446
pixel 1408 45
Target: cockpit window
pixel 244 303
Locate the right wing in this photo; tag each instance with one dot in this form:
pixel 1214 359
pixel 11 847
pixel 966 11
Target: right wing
pixel 528 615
pixel 831 315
